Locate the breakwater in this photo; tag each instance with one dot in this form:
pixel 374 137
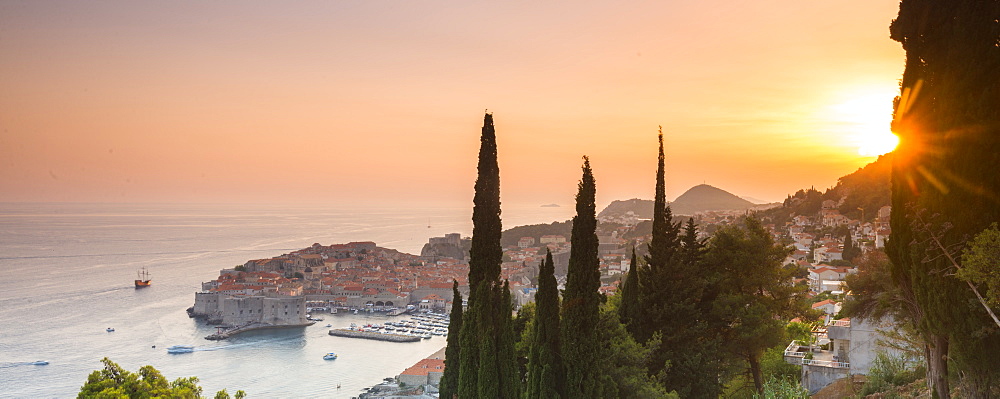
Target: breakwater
pixel 346 332
pixel 251 327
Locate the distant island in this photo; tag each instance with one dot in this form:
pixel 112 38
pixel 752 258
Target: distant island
pixel 550 206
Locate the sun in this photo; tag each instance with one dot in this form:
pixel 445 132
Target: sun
pixel 865 119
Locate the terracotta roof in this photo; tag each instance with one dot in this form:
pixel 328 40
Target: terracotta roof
pixel 425 366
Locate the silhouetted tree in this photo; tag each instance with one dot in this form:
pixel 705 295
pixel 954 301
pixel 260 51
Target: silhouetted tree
pixel 486 336
pixel 545 369
pixel 948 119
pixel 581 300
pixel 453 353
pixel 628 311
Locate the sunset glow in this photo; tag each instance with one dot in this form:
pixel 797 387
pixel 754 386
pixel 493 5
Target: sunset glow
pixel 867 118
pixel 360 102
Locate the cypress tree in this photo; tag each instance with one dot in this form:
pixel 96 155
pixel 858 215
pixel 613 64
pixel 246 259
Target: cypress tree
pixel 581 300
pixel 948 119
pixel 545 369
pixel 628 311
pixel 662 248
pixel 486 336
pixel 453 353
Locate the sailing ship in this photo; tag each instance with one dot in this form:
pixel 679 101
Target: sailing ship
pixel 143 278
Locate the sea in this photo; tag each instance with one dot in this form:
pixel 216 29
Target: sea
pixel 67 271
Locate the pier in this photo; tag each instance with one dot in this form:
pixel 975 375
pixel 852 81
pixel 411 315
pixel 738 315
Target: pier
pixel 226 333
pixel 346 332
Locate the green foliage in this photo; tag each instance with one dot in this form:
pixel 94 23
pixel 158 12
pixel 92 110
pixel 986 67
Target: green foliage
pixel 851 250
pixel 545 368
pixel 453 353
pixel 755 292
pixel 623 374
pixel 948 120
pixel 628 312
pixel 488 361
pixel 801 332
pixel 981 264
pixel 240 268
pixel 782 388
pixel 115 382
pixel 581 300
pixel 888 372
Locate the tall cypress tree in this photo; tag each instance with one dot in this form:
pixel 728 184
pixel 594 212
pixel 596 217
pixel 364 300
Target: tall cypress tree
pixel 486 342
pixel 453 353
pixel 582 300
pixel 948 119
pixel 662 248
pixel 545 369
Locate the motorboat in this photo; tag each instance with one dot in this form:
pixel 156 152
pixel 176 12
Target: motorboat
pixel 109 329
pixel 180 349
pixel 39 362
pixel 330 356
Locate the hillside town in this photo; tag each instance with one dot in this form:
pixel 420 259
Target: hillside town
pixel 363 277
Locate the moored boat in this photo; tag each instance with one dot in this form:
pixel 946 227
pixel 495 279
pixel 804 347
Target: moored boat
pixel 330 356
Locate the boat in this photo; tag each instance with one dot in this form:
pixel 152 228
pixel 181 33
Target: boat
pixel 330 356
pixel 142 278
pixel 39 362
pixel 180 349
pixel 109 329
pixel 329 325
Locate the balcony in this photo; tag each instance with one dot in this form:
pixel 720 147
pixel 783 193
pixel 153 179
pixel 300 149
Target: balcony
pixel 796 354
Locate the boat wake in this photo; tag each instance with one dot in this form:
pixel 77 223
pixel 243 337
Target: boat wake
pixel 189 348
pixel 6 365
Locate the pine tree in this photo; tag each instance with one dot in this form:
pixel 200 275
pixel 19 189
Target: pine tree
pixel 453 353
pixel 545 369
pixel 756 293
pixel 581 299
pixel 488 367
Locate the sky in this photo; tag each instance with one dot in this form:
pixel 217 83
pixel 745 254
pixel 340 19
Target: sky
pixel 381 102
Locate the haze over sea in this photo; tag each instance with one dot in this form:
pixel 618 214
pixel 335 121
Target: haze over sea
pixel 68 271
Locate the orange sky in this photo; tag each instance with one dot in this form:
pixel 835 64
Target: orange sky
pixel 380 102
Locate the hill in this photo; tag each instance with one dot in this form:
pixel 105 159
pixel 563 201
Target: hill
pixel 703 198
pixel 867 189
pixel 699 198
pixel 643 209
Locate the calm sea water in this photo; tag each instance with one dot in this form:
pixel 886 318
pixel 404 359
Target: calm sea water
pixel 67 272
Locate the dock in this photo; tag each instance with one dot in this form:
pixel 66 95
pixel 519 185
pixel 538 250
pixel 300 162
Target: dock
pixel 346 332
pixel 226 333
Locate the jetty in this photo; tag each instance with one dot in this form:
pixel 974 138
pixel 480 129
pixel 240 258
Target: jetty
pixel 347 332
pixel 224 333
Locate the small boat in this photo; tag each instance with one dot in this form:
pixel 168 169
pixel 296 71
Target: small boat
pixel 39 362
pixel 109 329
pixel 330 356
pixel 180 349
pixel 329 325
pixel 142 279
